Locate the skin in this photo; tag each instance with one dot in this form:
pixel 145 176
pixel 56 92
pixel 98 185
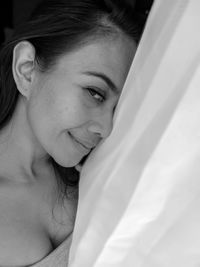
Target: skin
pixel 64 113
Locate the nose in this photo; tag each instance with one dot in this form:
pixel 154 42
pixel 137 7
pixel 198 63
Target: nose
pixel 102 125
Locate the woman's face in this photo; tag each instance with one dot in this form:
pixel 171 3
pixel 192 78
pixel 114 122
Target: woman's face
pixel 71 107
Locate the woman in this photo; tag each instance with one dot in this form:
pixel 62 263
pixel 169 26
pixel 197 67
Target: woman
pixel 61 77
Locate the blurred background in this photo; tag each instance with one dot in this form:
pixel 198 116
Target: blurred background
pixel 14 12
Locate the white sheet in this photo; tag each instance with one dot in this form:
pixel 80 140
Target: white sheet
pixel 139 202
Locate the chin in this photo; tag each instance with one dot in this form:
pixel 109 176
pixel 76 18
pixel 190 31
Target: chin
pixel 66 162
pixel 68 157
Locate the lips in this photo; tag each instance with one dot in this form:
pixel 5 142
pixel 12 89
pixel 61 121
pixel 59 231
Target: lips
pixel 84 144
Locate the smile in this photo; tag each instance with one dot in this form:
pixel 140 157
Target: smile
pixel 83 148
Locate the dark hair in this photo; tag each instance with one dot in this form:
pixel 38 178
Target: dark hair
pixel 55 27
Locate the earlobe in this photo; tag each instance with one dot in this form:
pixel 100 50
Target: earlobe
pixel 23 66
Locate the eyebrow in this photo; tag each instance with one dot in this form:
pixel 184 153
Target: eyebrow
pixel 105 78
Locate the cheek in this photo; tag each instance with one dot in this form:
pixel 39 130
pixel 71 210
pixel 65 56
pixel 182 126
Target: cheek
pixel 68 112
pixel 41 108
pixel 53 111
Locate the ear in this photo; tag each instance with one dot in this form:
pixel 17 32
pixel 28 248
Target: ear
pixel 23 67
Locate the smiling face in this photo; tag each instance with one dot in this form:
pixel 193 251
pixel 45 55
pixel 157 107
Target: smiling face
pixel 70 108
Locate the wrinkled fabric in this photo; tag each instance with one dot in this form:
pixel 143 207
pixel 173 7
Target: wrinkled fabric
pixel 139 199
pixel 58 257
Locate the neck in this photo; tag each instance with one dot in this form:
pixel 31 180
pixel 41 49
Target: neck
pixel 19 150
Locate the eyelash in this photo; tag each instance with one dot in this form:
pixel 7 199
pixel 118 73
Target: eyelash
pixel 93 92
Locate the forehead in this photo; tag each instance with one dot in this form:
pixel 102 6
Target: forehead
pixel 111 56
